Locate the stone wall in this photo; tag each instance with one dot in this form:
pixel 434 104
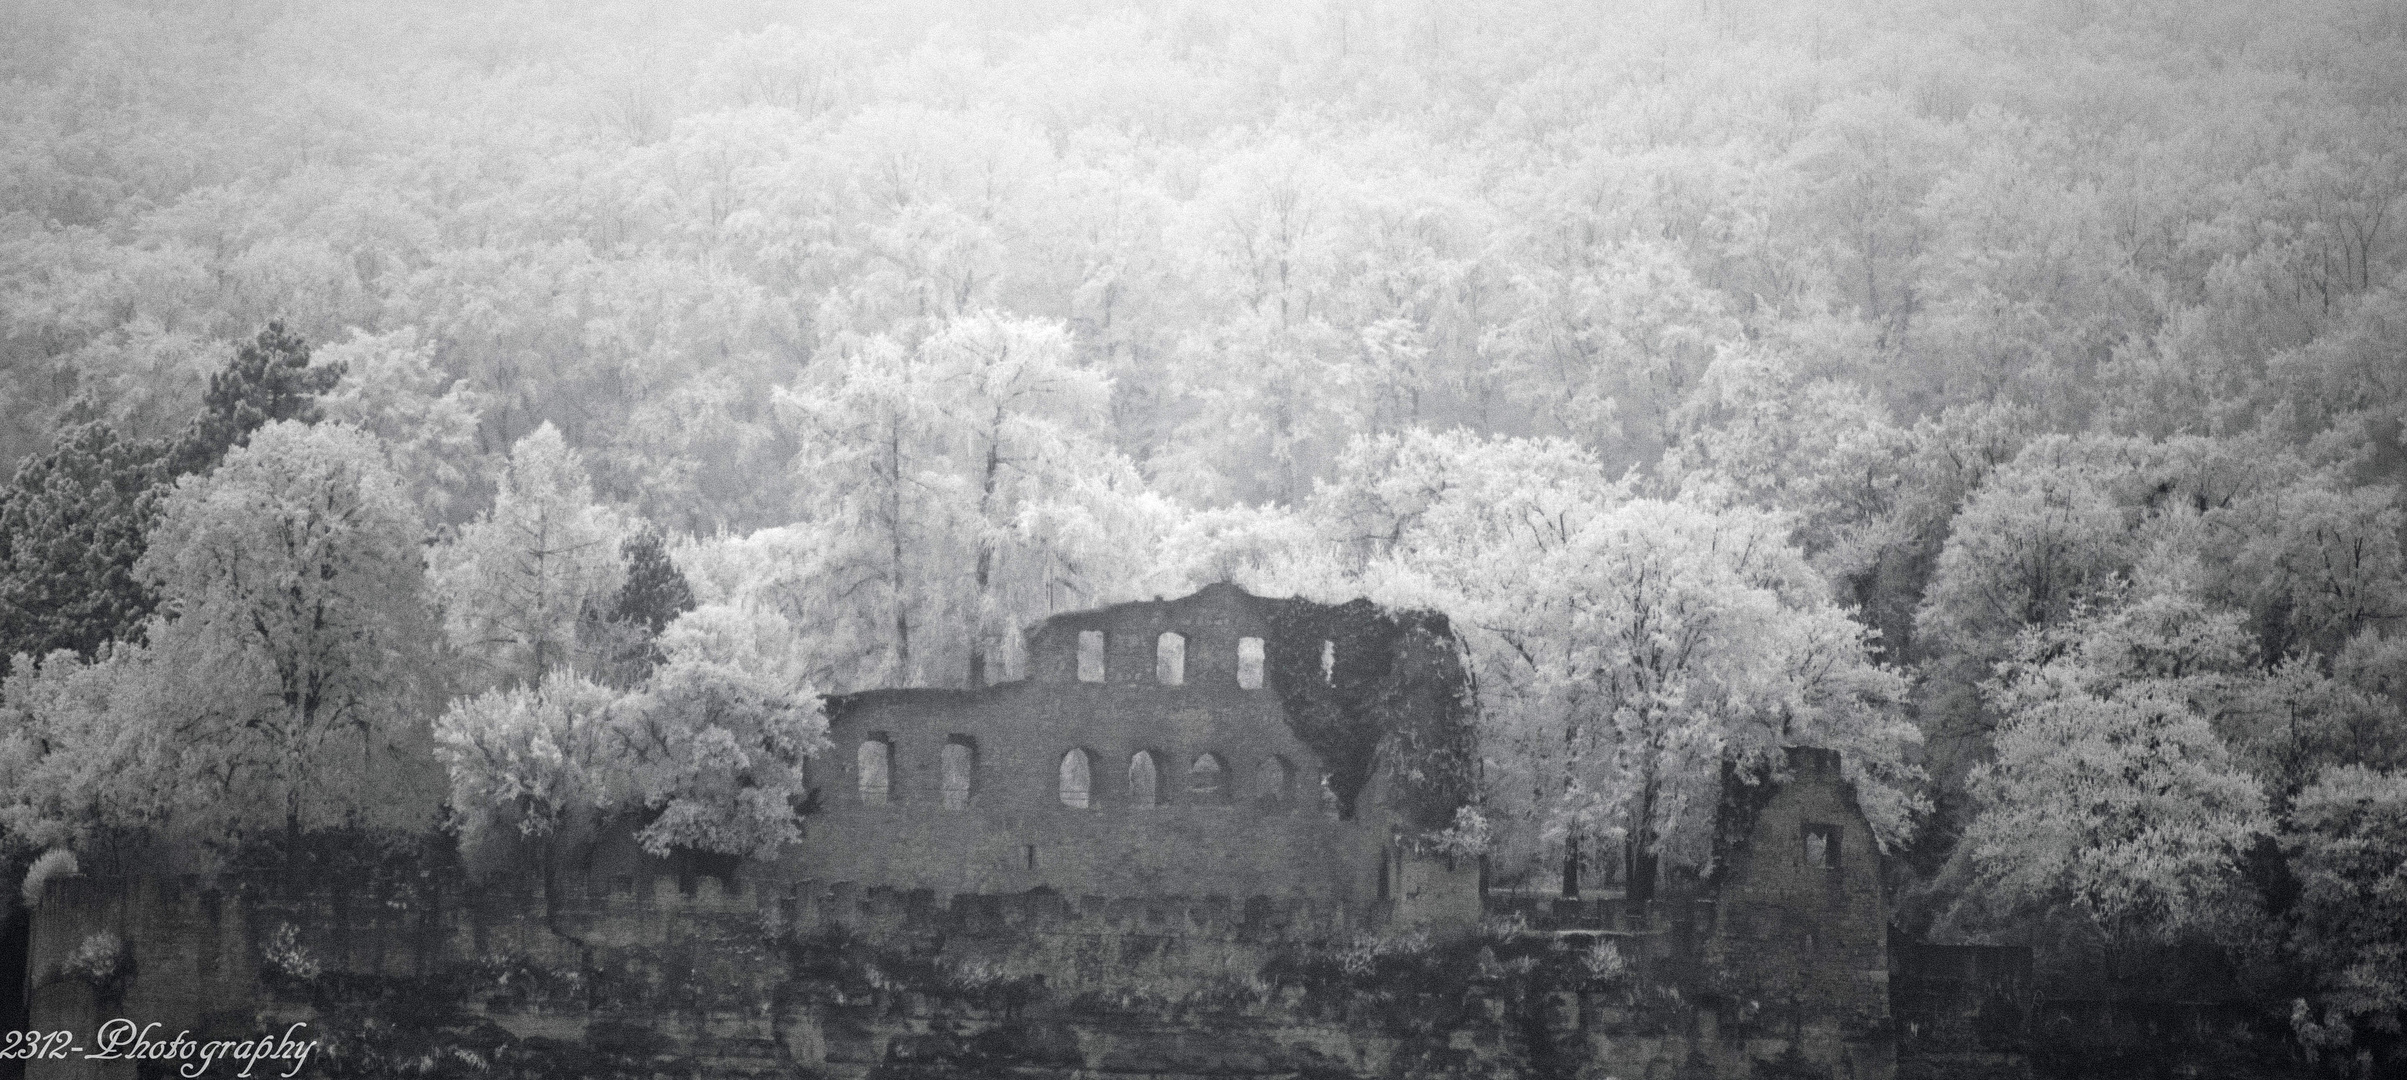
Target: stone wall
pixel 1247 928
pixel 1252 930
pixel 1962 1010
pixel 1802 929
pixel 2153 1013
pixel 1212 620
pixel 834 980
pixel 1015 833
pixel 634 965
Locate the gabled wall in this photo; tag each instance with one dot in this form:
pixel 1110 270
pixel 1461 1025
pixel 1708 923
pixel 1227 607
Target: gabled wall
pixel 1800 951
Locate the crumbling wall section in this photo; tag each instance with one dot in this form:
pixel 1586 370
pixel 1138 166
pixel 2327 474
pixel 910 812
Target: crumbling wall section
pixel 1800 948
pixel 1015 833
pixel 1262 822
pixel 750 973
pixel 1962 1010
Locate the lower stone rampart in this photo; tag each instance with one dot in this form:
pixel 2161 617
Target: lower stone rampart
pixel 660 973
pixel 1971 1012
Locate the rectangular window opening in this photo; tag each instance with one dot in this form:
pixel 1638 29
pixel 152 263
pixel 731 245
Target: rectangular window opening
pixel 960 771
pixel 1821 846
pixel 1090 656
pixel 875 763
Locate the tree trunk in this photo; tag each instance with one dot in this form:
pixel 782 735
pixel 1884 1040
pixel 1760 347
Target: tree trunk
pixel 894 534
pixel 1640 854
pixel 986 547
pixel 1640 864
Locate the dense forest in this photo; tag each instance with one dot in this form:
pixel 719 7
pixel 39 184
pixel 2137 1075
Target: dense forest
pixel 516 415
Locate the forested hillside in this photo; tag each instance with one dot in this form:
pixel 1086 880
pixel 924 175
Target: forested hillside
pixel 516 414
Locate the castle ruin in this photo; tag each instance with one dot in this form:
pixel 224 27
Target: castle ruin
pixel 1173 849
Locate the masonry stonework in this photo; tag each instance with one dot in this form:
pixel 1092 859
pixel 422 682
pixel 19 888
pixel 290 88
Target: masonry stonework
pixel 1015 833
pixel 1264 826
pixel 964 919
pixel 1801 936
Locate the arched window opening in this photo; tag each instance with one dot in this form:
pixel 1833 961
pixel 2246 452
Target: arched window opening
pixel 1144 780
pixel 1208 779
pixel 1077 780
pixel 1090 656
pixel 1249 663
pixel 875 763
pixel 1328 661
pixel 1270 782
pixel 960 771
pixel 1170 659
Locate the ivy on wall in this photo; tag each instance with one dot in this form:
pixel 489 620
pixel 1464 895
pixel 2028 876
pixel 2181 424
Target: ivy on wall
pixel 1392 679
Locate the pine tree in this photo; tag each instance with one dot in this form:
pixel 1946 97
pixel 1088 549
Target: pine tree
pixel 71 528
pixel 655 592
pixel 269 379
pixel 625 633
pixel 73 521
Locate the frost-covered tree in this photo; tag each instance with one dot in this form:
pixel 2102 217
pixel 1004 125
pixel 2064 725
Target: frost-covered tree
pixel 534 760
pixel 2347 845
pixel 78 759
pixel 963 489
pixel 2040 536
pixel 2296 720
pixel 1626 651
pixel 836 643
pixel 2317 561
pixel 1675 639
pixel 715 745
pixel 288 661
pixel 73 522
pixel 1607 338
pixel 516 581
pixel 706 755
pixel 392 388
pixel 2111 798
pixel 1758 430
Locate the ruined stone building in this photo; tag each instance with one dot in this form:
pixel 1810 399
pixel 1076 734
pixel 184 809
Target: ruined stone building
pixel 1175 849
pixel 1153 752
pixel 1147 753
pixel 1150 752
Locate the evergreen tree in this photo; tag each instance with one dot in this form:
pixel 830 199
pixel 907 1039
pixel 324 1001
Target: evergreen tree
pixel 71 527
pixel 72 522
pixel 269 379
pixel 655 592
pixel 624 633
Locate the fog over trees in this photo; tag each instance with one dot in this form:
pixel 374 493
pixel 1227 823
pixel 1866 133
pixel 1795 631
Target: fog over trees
pixel 513 415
